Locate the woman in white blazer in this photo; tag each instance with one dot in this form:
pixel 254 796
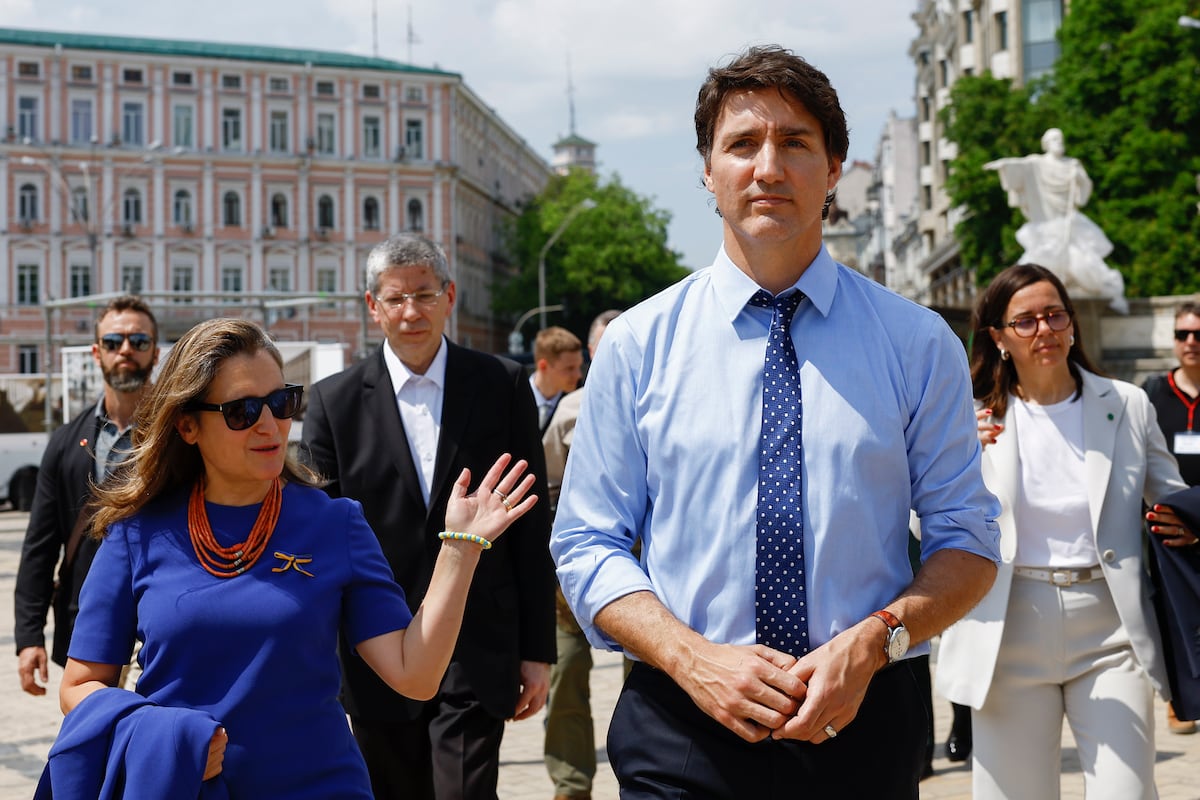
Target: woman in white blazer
pixel 1068 627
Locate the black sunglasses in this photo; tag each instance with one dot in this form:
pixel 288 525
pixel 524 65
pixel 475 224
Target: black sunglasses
pixel 1181 335
pixel 138 341
pixel 241 414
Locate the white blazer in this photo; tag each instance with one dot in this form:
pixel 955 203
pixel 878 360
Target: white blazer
pixel 1127 461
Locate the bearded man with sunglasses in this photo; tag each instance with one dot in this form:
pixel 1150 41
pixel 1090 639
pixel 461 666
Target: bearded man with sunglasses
pixel 79 454
pixel 392 432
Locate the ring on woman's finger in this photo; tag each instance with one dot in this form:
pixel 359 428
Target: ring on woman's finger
pixel 830 732
pixel 503 499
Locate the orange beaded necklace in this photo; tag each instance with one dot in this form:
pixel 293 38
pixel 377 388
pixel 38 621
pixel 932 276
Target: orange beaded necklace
pixel 227 562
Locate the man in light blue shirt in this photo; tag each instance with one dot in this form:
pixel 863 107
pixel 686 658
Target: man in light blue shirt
pixel 666 451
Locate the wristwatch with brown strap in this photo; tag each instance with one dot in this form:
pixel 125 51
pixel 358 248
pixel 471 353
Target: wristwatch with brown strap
pixel 896 645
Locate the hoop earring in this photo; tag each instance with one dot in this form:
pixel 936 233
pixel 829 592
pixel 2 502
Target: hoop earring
pixel 1004 355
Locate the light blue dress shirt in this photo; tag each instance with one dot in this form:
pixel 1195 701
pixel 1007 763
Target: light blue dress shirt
pixel 665 451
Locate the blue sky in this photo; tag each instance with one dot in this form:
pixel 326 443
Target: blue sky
pixel 635 64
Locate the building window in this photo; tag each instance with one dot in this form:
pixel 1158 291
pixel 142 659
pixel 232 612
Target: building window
pixel 416 215
pixel 131 279
pixel 325 212
pixel 279 279
pixel 371 138
pixel 325 89
pixel 414 94
pixel 29 69
pixel 926 153
pixel 926 108
pixel 279 210
pixel 1001 28
pixel 326 280
pixel 325 134
pixel 231 282
pixel 279 132
pixel 81 73
pixel 81 280
pixel 414 138
pixel 27 203
pixel 968 18
pixel 27 359
pixel 27 118
pixel 182 208
pixel 132 76
pixel 81 121
pixel 231 206
pixel 79 204
pixel 1040 21
pixel 231 82
pixel 371 91
pixel 371 214
pixel 28 291
pixel 182 129
pixel 181 284
pixel 944 72
pixel 926 197
pixel 231 128
pixel 277 85
pixel 133 130
pixel 181 79
pixel 131 207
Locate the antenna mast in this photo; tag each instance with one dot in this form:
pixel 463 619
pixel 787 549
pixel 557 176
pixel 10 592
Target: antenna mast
pixel 375 28
pixel 570 94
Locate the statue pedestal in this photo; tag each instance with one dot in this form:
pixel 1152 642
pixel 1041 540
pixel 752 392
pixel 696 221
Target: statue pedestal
pixel 1088 311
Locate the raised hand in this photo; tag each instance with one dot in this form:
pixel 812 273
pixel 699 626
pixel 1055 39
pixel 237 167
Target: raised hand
pixel 499 501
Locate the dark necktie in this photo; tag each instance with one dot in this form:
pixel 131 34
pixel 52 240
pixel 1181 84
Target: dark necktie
pixel 780 612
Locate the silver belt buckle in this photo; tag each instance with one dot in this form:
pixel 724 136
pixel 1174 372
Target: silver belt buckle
pixel 1061 577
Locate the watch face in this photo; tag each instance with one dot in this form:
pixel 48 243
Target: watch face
pixel 897 645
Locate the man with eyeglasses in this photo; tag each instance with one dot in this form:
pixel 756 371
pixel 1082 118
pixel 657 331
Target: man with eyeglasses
pixel 82 452
pixel 393 432
pixel 1175 395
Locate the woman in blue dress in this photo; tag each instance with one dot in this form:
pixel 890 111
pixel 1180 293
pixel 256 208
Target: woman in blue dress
pixel 236 573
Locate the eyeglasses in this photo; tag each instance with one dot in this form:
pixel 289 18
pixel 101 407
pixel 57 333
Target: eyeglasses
pixel 138 341
pixel 241 414
pixel 425 299
pixel 1182 335
pixel 1026 327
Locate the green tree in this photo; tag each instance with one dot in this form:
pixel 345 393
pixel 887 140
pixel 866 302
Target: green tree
pixel 611 256
pixel 1126 93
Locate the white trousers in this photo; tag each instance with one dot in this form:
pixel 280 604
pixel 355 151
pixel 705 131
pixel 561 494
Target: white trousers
pixel 1064 652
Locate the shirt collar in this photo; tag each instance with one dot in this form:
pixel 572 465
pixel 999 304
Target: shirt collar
pixel 400 374
pixel 734 288
pixel 542 400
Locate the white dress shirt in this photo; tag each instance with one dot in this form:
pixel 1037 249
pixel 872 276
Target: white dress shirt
pixel 419 399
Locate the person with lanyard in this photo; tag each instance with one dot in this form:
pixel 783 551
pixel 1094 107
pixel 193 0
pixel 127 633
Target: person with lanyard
pixel 79 455
pixel 236 572
pixel 1175 395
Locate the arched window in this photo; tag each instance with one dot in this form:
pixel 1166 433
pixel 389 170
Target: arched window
pixel 27 203
pixel 131 207
pixel 279 210
pixel 325 212
pixel 416 215
pixel 371 214
pixel 182 208
pixel 231 206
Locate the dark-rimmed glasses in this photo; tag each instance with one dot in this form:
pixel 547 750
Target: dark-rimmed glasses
pixel 1025 327
pixel 138 341
pixel 425 299
pixel 244 412
pixel 1181 335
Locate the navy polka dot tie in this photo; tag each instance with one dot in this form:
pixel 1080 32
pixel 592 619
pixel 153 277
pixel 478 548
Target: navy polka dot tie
pixel 780 613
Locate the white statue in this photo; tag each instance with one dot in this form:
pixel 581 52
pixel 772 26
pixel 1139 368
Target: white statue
pixel 1049 188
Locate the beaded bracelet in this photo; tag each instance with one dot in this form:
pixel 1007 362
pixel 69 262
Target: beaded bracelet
pixel 466 537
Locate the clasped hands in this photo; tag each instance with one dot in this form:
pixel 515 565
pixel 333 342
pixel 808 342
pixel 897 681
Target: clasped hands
pixel 757 691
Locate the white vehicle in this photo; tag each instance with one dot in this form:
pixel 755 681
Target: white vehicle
pixel 22 441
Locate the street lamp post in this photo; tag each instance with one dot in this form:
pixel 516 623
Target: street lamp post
pixel 1189 22
pixel 583 205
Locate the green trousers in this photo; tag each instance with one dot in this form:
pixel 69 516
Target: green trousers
pixel 570 748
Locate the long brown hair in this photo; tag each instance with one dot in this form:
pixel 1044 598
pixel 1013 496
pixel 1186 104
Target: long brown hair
pixel 161 461
pixel 993 379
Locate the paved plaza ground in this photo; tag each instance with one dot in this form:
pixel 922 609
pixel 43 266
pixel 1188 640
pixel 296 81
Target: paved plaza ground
pixel 28 726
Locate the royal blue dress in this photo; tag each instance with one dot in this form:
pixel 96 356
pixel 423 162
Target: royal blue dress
pixel 257 651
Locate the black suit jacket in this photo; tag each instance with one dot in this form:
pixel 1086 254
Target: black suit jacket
pixel 63 488
pixel 354 437
pixel 1176 575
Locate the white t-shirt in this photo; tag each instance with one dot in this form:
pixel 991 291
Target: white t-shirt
pixel 1054 523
